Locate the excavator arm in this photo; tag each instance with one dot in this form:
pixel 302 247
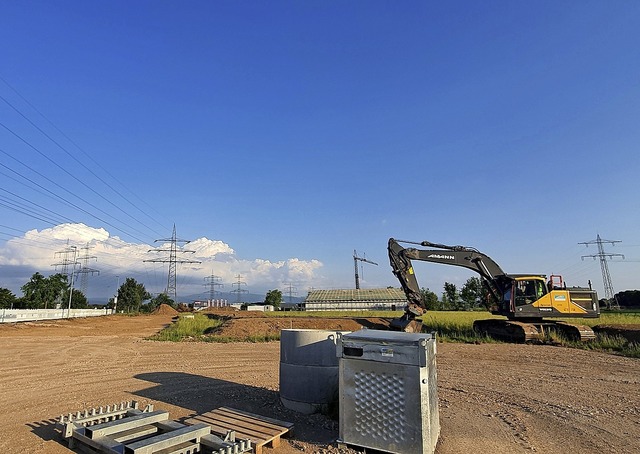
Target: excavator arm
pixel 401 264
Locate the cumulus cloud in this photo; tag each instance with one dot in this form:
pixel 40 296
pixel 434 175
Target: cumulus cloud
pixel 205 248
pixel 291 270
pixel 38 250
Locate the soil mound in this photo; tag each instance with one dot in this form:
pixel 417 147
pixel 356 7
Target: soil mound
pixel 165 309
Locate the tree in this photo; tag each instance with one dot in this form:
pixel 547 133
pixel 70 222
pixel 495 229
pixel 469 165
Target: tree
pixel 273 298
pixel 430 299
pixel 43 292
pixel 131 294
pixel 629 299
pixel 157 301
pixel 450 297
pixel 7 299
pixel 472 293
pixel 78 300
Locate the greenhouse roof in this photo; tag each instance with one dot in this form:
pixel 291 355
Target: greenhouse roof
pixel 369 294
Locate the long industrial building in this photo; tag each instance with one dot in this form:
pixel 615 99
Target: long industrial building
pixel 375 299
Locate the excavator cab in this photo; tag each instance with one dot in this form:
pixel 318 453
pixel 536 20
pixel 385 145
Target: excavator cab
pixel 517 293
pixel 529 290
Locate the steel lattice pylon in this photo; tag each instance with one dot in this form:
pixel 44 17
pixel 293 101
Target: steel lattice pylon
pixel 172 260
pixel 85 270
pixel 212 282
pixel 609 293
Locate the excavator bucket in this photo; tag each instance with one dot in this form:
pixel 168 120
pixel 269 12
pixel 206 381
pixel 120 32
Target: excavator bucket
pixel 406 324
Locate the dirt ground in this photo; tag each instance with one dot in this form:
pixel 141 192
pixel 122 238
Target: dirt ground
pixel 498 398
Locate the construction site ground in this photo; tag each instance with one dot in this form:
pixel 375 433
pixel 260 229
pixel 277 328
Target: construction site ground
pixel 498 398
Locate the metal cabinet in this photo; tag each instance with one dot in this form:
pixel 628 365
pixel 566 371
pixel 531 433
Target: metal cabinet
pixel 388 391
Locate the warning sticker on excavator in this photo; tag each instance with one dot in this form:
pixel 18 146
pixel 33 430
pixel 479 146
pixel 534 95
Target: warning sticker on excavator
pixel 387 352
pixel 560 298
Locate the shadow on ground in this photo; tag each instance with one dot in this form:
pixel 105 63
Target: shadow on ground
pixel 203 394
pixel 46 430
pixel 381 323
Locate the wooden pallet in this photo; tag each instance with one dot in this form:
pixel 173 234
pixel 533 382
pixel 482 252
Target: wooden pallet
pixel 262 431
pixel 126 429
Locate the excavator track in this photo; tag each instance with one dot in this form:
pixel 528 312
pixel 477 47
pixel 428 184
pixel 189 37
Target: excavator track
pixel 507 330
pixel 581 333
pixel 513 331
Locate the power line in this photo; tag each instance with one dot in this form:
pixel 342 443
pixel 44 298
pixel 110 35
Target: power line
pixel 33 211
pixel 62 198
pixel 75 159
pixel 87 155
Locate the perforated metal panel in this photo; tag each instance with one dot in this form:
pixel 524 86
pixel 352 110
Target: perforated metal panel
pixel 379 403
pixel 388 392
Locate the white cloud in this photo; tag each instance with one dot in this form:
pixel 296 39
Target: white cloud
pixel 39 250
pixel 205 248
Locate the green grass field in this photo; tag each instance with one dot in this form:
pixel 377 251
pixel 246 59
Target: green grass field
pixel 453 326
pixel 450 326
pixel 188 327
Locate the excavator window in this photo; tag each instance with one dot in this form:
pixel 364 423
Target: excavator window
pixel 526 292
pixel 529 291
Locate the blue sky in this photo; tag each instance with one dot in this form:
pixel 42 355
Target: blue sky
pixel 288 134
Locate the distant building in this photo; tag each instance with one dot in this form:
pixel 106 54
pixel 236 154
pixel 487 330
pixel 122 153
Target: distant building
pixel 200 305
pixel 375 299
pixel 260 307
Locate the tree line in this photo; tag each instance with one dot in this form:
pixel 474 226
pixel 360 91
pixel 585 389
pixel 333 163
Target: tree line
pixel 44 293
pixel 133 297
pixel 53 292
pixel 472 296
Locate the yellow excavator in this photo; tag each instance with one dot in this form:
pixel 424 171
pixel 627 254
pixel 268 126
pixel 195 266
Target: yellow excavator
pixel 527 300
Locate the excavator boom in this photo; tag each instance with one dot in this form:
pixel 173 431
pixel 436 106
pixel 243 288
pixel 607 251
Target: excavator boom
pixel 400 259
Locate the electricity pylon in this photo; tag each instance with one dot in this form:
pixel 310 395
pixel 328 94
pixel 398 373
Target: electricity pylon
pixel 84 270
pixel 212 282
pixel 291 290
pixel 239 291
pixel 69 251
pixel 172 260
pixel 609 293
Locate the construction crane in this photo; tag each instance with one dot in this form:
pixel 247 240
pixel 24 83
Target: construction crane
pixel 355 264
